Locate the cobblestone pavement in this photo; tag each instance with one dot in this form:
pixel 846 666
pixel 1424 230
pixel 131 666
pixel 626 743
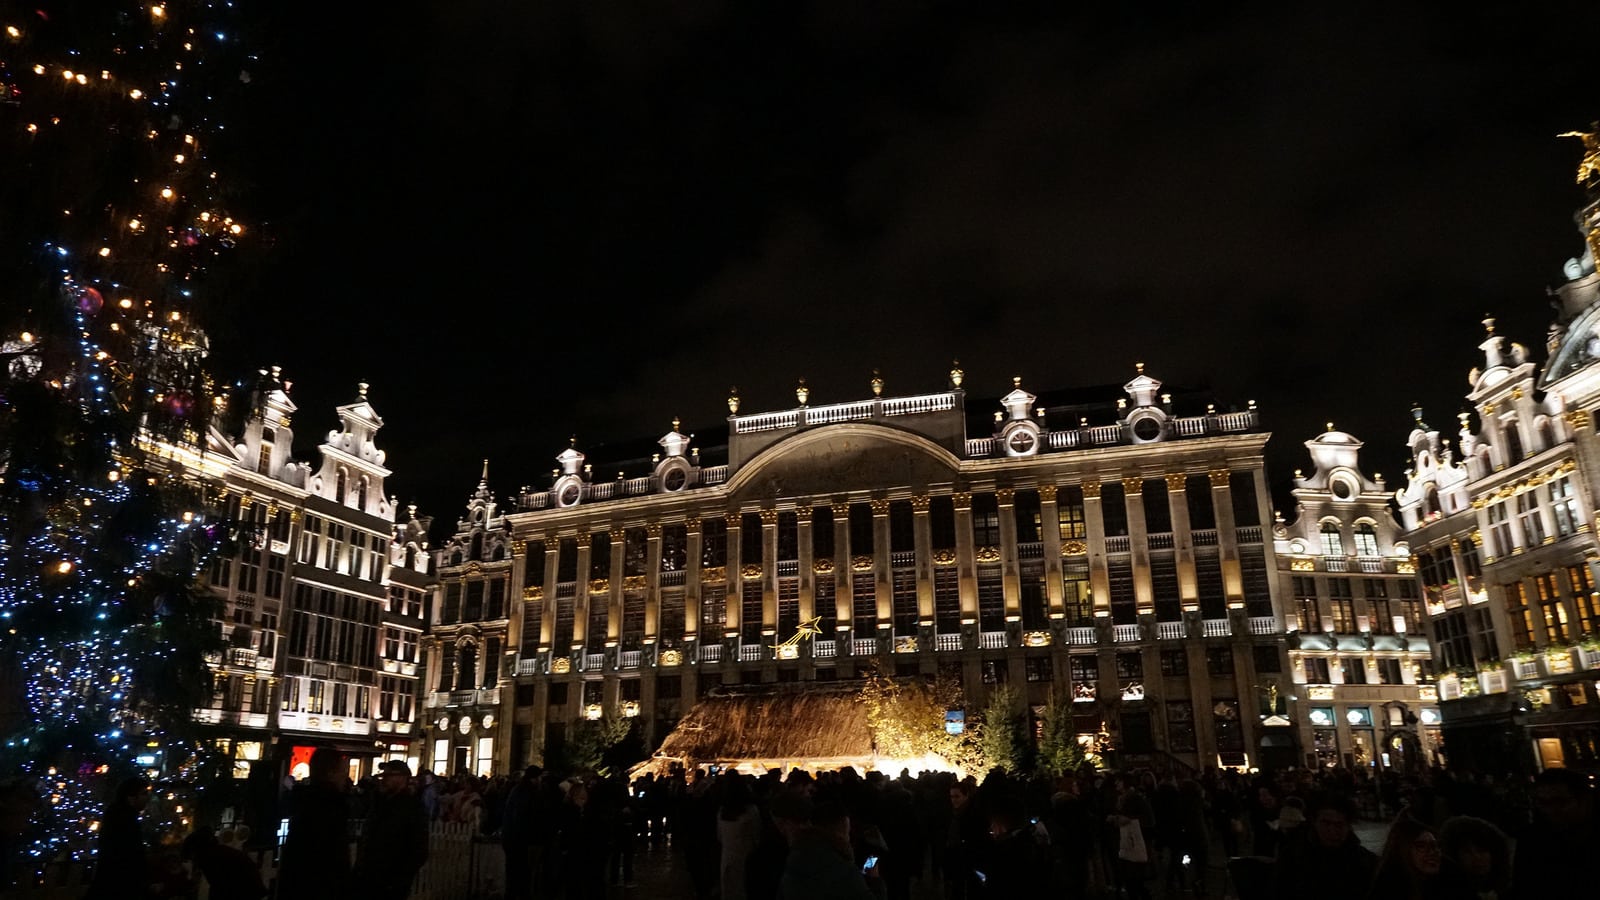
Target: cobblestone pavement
pixel 661 875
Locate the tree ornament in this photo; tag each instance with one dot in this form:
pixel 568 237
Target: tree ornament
pixel 90 301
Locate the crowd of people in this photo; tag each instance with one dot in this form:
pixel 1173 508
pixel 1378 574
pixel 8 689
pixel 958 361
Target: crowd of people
pixel 1134 835
pixel 874 837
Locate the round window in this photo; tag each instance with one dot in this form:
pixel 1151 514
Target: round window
pixel 1147 429
pixel 1022 442
pixel 674 480
pixel 570 494
pixel 1343 489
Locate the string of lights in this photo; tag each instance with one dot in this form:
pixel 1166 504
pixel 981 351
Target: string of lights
pixel 113 124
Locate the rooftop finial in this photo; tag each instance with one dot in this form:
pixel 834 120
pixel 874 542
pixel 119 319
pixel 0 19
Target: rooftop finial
pixel 877 383
pixel 733 400
pixel 1016 381
pixel 801 392
pixel 573 442
pixel 485 477
pixel 1488 324
pixel 1138 367
pixel 675 423
pixel 956 375
pixel 361 389
pixel 1589 166
pixel 1330 427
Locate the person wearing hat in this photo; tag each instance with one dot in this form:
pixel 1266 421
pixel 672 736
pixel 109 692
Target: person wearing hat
pixel 394 843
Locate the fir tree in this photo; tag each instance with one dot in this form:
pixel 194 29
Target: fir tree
pixel 116 207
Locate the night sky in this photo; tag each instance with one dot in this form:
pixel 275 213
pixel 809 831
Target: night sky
pixel 521 221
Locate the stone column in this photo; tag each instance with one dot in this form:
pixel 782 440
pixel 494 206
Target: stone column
pixel 1005 501
pixel 614 603
pixel 1227 539
pixel 735 584
pixel 1138 543
pixel 881 585
pixel 1182 539
pixel 769 574
pixel 806 554
pixel 552 571
pixel 843 604
pixel 694 561
pixel 1095 525
pixel 580 598
pixel 966 567
pixel 922 537
pixel 1050 539
pixel 652 583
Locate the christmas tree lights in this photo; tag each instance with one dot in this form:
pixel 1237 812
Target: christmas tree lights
pixel 116 208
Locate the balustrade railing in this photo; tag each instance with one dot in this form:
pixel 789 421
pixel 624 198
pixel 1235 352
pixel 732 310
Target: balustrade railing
pixel 1061 440
pixel 1030 550
pixel 946 642
pixel 823 649
pixel 1169 631
pixel 750 652
pixel 1204 537
pixel 1117 544
pixel 1372 565
pixel 839 412
pixel 1335 564
pixel 1215 628
pixel 1106 434
pixel 710 653
pixel 1161 540
pixel 673 579
pixel 1250 534
pixel 863 646
pixel 594 662
pixel 630 659
pixel 527 667
pixel 714 475
pixel 1124 634
pixel 1081 636
pixel 788 568
pixel 927 403
pixel 903 559
pixel 977 447
pixel 1263 624
pixel 766 421
pixel 992 640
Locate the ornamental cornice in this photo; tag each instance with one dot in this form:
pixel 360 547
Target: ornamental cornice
pixel 945 557
pixel 1074 547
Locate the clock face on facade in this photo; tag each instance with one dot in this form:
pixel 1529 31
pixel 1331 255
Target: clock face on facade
pixel 1147 429
pixel 444 723
pixel 674 480
pixel 570 494
pixel 1022 442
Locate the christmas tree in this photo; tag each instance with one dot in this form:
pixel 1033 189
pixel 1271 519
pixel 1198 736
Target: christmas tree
pixel 115 210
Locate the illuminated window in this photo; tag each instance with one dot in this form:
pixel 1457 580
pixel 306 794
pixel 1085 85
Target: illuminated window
pixel 1519 615
pixel 1366 540
pixel 1565 505
pixel 1332 541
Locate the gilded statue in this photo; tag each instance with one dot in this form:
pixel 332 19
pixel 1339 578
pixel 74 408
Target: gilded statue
pixel 1589 166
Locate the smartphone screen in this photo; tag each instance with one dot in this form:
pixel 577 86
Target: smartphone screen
pixel 870 864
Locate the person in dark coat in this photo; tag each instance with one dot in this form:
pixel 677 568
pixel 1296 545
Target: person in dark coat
pixel 1327 861
pixel 517 828
pixel 122 870
pixel 1553 856
pixel 394 843
pixel 230 873
pixel 315 863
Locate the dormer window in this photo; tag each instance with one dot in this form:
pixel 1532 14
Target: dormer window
pixel 1332 540
pixel 1513 437
pixel 361 494
pixel 341 486
pixel 264 457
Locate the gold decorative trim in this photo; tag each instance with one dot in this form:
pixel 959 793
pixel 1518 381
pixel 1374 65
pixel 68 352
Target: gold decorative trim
pixel 635 583
pixel 733 519
pixel 713 574
pixel 1477 537
pixel 769 517
pixel 961 499
pixel 1091 489
pixel 1177 482
pixel 1578 418
pixel 1047 493
pixel 600 586
pixel 1488 409
pixel 1406 568
pixel 840 510
pixel 1302 565
pixel 1038 639
pixel 560 665
pixel 691 525
pixel 750 572
pixel 671 657
pixel 1074 547
pixel 879 507
pixel 944 557
pixel 1516 393
pixel 905 644
pixel 1132 485
pixel 861 564
pixel 1219 477
pixel 920 503
pixel 988 554
pixel 652 530
pixel 533 592
pixel 1005 496
pixel 822 566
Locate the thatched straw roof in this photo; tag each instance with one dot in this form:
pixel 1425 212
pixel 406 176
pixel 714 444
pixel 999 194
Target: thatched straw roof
pixel 803 724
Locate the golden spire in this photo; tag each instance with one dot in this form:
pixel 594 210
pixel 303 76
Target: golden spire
pixel 733 400
pixel 1589 166
pixel 801 392
pixel 877 383
pixel 956 375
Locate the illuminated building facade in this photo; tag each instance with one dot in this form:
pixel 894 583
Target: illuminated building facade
pixel 1358 634
pixel 322 603
pixel 1120 564
pixel 469 654
pixel 1505 542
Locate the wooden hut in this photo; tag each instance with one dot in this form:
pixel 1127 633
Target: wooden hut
pixel 753 728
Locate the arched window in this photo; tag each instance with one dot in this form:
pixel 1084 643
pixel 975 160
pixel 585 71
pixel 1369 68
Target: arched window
pixel 1366 540
pixel 1430 501
pixel 341 486
pixel 1332 541
pixel 1513 444
pixel 477 546
pixel 466 666
pixel 361 494
pixel 264 459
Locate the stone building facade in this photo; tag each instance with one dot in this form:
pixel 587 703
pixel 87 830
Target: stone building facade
pixel 1122 564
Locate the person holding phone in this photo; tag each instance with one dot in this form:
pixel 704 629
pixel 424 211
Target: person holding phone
pixel 821 865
